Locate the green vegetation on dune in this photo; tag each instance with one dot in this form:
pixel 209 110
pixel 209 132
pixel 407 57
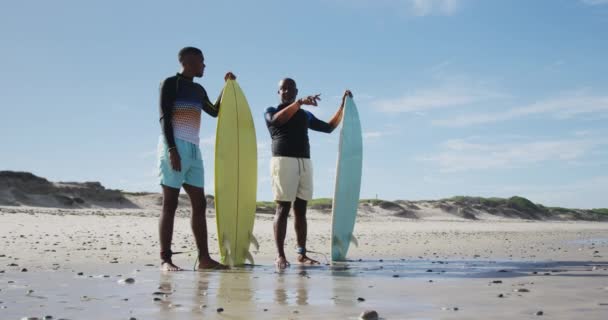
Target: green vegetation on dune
pixel 265 203
pixel 373 202
pixel 490 202
pixel 320 202
pixel 522 204
pixel 600 211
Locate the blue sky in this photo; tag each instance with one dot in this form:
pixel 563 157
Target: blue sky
pixel 457 97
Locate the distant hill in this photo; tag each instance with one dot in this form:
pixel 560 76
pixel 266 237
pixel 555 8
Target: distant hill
pixel 26 189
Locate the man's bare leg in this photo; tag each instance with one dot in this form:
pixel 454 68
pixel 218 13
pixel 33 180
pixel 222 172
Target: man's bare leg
pixel 165 227
pixel 280 230
pixel 198 222
pixel 301 226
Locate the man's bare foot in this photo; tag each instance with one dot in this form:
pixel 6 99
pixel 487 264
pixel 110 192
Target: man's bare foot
pixel 210 264
pixel 303 259
pixel 281 263
pixel 169 266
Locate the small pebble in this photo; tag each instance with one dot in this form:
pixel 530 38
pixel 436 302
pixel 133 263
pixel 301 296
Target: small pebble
pixel 539 313
pixel 220 310
pixel 521 290
pixel 501 295
pixel 360 299
pixel 395 276
pixel 80 273
pixel 127 281
pixel 369 315
pixel 497 281
pixel 24 270
pixel 157 299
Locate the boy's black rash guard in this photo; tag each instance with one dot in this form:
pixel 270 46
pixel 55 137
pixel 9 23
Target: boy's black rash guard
pixel 291 138
pixel 181 101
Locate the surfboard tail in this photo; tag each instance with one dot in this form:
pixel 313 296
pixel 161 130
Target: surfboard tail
pixel 339 247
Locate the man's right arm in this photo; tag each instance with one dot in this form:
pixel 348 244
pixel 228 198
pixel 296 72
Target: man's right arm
pixel 281 117
pixel 167 99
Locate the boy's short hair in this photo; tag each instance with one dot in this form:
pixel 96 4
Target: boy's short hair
pixel 188 51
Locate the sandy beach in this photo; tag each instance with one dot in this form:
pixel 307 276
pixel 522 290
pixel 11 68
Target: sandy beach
pixel 74 264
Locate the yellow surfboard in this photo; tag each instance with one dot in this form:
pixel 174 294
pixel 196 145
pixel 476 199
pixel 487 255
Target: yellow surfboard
pixel 236 168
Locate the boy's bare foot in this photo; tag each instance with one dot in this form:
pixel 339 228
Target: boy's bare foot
pixel 169 266
pixel 303 259
pixel 281 263
pixel 210 264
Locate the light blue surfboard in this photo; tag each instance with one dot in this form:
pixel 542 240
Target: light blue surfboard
pixel 348 182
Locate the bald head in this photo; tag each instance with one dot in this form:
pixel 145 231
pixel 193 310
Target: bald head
pixel 288 90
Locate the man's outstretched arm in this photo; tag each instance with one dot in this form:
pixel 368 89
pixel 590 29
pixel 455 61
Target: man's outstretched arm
pixel 281 117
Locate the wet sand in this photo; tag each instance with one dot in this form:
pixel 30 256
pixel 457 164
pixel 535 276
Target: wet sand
pixel 403 269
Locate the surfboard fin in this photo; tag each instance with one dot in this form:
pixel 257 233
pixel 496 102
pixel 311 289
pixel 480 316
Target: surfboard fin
pixel 249 257
pixel 228 258
pixel 354 241
pixel 254 242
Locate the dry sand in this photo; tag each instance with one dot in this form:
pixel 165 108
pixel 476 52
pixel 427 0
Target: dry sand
pixel 409 269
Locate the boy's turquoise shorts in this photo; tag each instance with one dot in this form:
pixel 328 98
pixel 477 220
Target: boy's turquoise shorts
pixel 192 172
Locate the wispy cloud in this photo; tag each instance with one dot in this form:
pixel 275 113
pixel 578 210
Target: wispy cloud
pixel 419 8
pixel 465 155
pixel 594 2
pixel 563 106
pixel 447 95
pixel 373 134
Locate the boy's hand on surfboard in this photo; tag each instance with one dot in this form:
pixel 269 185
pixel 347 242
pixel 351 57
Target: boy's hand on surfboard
pixel 311 100
pixel 229 76
pixel 347 93
pixel 176 161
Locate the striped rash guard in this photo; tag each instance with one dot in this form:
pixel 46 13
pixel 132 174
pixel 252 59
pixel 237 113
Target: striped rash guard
pixel 181 102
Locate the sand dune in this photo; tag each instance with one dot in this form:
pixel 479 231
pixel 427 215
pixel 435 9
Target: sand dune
pixel 22 189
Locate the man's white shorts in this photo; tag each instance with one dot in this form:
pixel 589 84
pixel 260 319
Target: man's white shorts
pixel 291 178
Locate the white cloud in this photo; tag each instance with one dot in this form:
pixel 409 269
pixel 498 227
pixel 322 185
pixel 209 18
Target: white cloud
pixel 373 134
pixel 444 96
pixel 463 155
pixel 594 2
pixel 564 106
